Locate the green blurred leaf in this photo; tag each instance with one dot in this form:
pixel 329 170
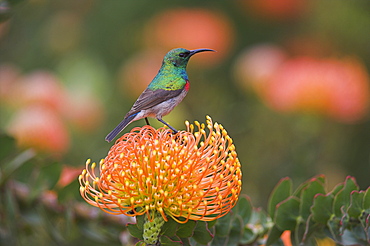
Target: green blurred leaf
pixel 167 241
pixel 13 165
pixel 287 214
pixel 281 192
pixel 235 231
pixel 342 199
pixel 223 225
pixel 248 236
pixel 274 235
pixel 322 208
pixel 366 203
pixel 169 228
pixel 8 147
pixel 49 175
pixel 211 223
pixel 135 231
pixel 186 230
pixel 68 192
pixel 355 208
pixel 201 233
pixel 244 208
pixel 307 196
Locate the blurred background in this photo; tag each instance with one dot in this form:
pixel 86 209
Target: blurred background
pixel 289 81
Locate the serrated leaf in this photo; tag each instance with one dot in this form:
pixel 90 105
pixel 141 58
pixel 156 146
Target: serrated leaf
pixel 201 233
pixel 322 208
pixel 342 199
pixel 355 208
pixel 244 208
pixel 135 231
pixel 167 241
pixel 274 235
pixel 307 196
pixel 281 192
pixel 186 230
pixel 287 214
pixel 169 228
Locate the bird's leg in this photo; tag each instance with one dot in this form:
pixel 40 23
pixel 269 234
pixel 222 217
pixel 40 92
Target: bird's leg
pixel 173 129
pixel 147 121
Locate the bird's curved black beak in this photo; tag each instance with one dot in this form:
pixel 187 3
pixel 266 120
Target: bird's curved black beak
pixel 193 52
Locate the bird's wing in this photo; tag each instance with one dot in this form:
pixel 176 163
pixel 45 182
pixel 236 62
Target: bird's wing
pixel 150 98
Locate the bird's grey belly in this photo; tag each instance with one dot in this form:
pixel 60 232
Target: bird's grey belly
pixel 165 107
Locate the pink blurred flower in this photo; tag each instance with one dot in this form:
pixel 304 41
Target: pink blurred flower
pixel 192 28
pixel 68 175
pixel 334 87
pixel 137 72
pixel 276 9
pixel 41 128
pixel 255 66
pixel 84 111
pixel 40 87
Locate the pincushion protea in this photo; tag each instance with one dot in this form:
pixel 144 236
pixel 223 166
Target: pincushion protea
pixel 192 174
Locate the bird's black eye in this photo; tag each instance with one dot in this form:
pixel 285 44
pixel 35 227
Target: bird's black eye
pixel 184 54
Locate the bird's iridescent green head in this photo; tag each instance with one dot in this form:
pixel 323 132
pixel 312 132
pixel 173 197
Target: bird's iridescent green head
pixel 179 57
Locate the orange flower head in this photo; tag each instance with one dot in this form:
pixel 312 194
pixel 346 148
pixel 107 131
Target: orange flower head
pixel 191 174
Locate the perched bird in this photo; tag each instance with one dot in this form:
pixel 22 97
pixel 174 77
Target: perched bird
pixel 164 93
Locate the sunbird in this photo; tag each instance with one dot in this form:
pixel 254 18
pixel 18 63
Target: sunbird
pixel 164 93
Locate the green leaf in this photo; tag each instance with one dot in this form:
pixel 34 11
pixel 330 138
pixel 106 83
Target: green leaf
pixel 244 208
pixel 236 231
pixel 274 235
pixel 322 208
pixel 355 208
pixel 140 220
pixel 223 225
pixel 201 233
pixel 307 196
pixel 135 231
pixel 319 178
pixel 186 230
pixel 49 174
pixel 211 223
pixel 169 228
pixel 167 241
pixel 8 146
pixel 248 236
pixel 366 202
pixel 140 243
pixel 281 192
pixel 287 214
pixel 342 199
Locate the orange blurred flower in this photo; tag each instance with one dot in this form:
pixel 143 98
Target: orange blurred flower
pixel 337 88
pixel 192 28
pixel 193 175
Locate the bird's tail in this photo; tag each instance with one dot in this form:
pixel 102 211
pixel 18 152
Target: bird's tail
pixel 119 128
